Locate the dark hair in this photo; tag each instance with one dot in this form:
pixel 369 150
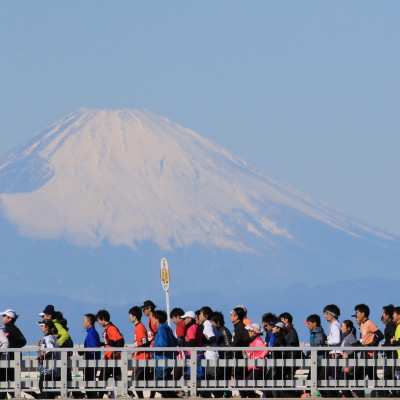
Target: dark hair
pixel 333 309
pixel 176 312
pixel 58 315
pixel 240 313
pixel 396 310
pixel 91 318
pixel 388 310
pixel 362 308
pixel 161 315
pixel 103 315
pixel 269 318
pixel 197 313
pixel 314 318
pixel 349 324
pixel 50 324
pixel 218 318
pixel 207 311
pixel 136 312
pixel 287 316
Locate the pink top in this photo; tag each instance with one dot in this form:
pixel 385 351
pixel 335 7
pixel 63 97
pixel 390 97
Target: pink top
pixel 258 354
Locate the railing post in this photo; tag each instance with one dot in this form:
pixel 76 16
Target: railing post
pixel 314 372
pixel 193 373
pixel 64 374
pixel 17 374
pixel 124 373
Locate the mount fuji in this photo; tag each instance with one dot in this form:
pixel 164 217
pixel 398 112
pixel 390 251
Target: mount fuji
pixel 90 205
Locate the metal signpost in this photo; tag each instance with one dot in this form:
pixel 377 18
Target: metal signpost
pixel 165 279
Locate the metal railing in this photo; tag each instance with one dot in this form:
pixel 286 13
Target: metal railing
pixel 72 372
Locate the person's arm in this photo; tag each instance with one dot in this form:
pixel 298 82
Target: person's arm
pixel 389 332
pixel 334 337
pixel 3 340
pixel 4 343
pixel 378 336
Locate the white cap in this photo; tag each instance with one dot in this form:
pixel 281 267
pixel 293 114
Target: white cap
pixel 189 314
pixel 10 313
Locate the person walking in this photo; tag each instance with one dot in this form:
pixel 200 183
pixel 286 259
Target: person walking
pixel 16 340
pixel 92 340
pixel 141 340
pixel 48 372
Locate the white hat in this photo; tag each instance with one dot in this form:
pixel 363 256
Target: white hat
pixel 10 313
pixel 189 314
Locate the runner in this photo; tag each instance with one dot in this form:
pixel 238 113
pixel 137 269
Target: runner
pixel 48 373
pixel 141 340
pixel 16 340
pixel 92 340
pixel 112 338
pixel 370 335
pixel 62 334
pixel 163 338
pixel 240 338
pixel 148 308
pixel 211 334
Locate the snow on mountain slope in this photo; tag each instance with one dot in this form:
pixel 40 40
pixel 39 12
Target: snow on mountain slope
pixel 129 176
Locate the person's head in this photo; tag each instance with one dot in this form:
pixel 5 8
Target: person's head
pixel 48 312
pixel 254 330
pixel 197 312
pixel 286 318
pixel 88 321
pixel 313 321
pixel 103 318
pixel 135 314
pixel 176 315
pixel 205 314
pixel 268 320
pixel 278 327
pixel 244 309
pixel 159 317
pixel 362 313
pixel 331 312
pixel 387 313
pixel 48 327
pixel 148 308
pixel 237 315
pixel 189 317
pixel 8 316
pixel 396 315
pixel 347 327
pixel 217 319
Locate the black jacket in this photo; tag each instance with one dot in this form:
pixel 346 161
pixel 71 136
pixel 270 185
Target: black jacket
pixel 225 340
pixel 240 337
pixel 389 332
pixel 15 338
pixel 279 341
pixel 292 340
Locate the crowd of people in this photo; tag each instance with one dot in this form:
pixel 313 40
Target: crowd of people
pixel 206 328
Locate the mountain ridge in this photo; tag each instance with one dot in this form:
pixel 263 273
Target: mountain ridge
pixel 107 194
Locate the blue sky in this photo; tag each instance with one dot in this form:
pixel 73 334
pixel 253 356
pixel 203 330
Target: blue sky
pixel 309 92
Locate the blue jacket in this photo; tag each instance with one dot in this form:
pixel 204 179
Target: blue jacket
pixel 164 338
pixel 92 340
pixel 317 337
